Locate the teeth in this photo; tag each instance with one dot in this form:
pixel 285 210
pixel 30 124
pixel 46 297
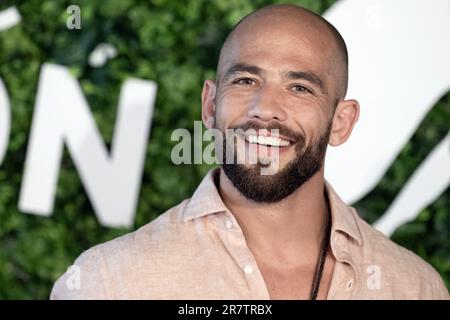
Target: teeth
pixel 261 140
pixel 270 141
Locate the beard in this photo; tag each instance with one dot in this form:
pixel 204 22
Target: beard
pixel 273 188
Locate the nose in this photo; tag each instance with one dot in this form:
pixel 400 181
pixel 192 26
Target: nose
pixel 267 105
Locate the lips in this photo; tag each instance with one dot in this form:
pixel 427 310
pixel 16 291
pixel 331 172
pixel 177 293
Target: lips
pixel 265 145
pixel 270 141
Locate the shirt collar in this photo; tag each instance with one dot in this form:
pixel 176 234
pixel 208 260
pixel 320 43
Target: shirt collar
pixel 343 217
pixel 207 200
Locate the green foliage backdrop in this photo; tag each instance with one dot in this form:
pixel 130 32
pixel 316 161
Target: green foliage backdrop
pixel 176 44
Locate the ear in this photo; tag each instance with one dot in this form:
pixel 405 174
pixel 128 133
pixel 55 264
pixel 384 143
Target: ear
pixel 208 103
pixel 344 119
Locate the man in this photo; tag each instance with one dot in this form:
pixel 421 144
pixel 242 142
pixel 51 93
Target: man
pixel 245 235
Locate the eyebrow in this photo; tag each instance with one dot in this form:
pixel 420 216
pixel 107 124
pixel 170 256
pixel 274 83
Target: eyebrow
pixel 294 75
pixel 308 76
pixel 242 67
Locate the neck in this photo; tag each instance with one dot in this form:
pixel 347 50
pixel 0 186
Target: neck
pixel 290 231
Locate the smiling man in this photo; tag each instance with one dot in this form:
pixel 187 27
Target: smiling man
pixel 281 82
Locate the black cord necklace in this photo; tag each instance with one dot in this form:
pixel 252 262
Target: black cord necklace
pixel 321 262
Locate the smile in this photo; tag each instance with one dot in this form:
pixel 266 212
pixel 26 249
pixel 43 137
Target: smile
pixel 267 140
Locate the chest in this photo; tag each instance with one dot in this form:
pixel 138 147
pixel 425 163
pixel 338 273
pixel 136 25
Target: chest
pixel 296 283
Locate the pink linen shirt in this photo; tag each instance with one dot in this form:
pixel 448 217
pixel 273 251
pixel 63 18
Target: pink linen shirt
pixel 197 250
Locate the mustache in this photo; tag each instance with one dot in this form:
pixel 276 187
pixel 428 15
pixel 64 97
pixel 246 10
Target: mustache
pixel 273 125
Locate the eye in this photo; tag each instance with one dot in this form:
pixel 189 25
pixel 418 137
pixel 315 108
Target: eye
pixel 300 89
pixel 244 82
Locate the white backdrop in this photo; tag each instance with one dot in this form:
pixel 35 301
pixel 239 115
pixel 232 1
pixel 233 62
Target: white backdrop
pixel 399 54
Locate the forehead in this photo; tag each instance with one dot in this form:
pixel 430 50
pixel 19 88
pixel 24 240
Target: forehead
pixel 272 43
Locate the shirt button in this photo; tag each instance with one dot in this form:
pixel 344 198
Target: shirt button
pixel 248 269
pixel 349 284
pixel 228 224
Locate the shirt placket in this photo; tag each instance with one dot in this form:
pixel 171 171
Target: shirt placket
pixel 345 277
pixel 233 238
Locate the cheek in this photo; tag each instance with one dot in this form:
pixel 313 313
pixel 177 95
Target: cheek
pixel 237 98
pixel 231 108
pixel 310 119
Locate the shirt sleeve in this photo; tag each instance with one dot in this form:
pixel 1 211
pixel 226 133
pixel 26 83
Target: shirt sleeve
pixel 84 280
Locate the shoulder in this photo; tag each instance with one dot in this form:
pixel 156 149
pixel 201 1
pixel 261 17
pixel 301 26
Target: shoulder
pixel 403 271
pixel 159 232
pixel 105 269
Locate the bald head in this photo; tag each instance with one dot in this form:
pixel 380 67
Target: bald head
pixel 318 42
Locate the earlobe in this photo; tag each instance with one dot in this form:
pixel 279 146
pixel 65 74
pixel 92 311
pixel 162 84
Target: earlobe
pixel 345 118
pixel 208 103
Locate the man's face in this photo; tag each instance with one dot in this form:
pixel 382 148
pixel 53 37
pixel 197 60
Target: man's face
pixel 275 79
